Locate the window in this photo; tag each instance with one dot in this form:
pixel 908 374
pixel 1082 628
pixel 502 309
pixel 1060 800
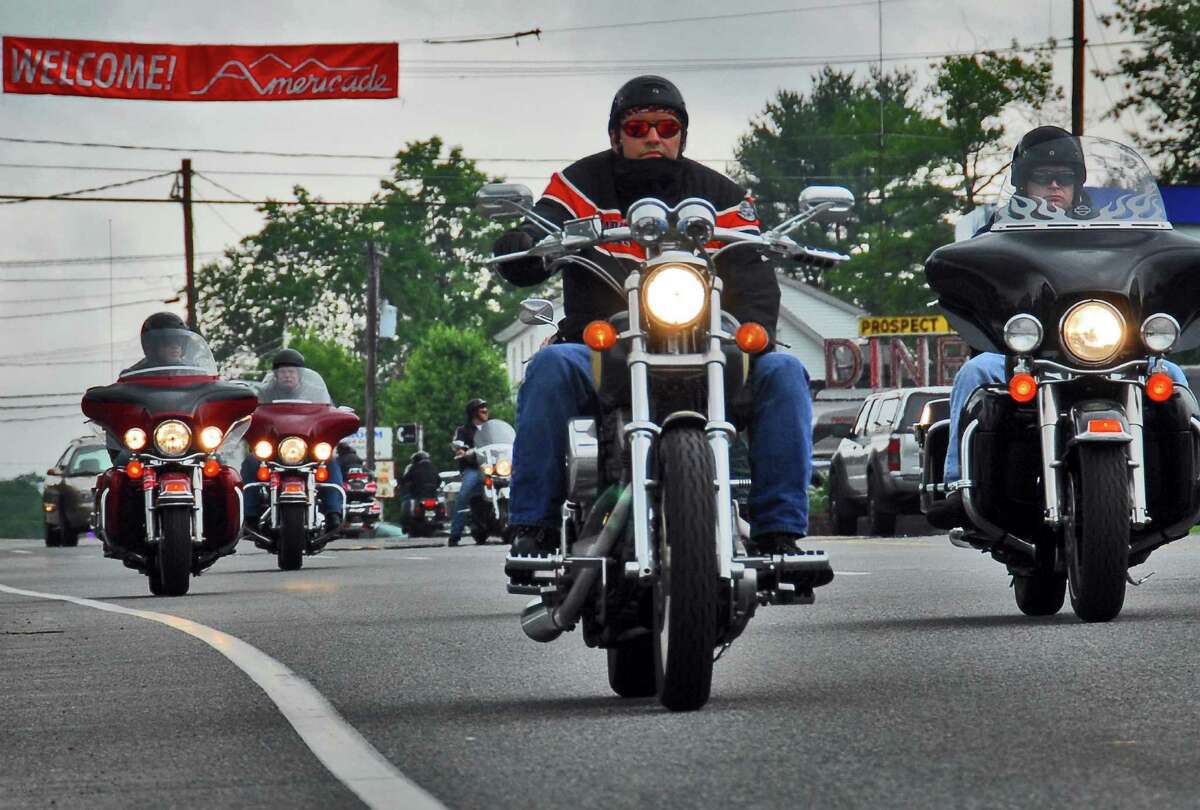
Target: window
pixel 887 413
pixel 89 460
pixel 864 416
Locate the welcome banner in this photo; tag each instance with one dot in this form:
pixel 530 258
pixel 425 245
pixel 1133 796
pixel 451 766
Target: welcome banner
pixel 79 67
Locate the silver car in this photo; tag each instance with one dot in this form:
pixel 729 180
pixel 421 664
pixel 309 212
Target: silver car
pixel 876 470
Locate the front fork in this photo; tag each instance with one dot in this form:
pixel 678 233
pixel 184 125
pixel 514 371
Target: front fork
pixel 151 500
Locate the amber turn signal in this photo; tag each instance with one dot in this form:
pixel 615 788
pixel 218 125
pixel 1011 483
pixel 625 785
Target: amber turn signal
pixel 752 338
pixel 1105 426
pixel 134 469
pixel 600 336
pixel 1160 386
pixel 322 474
pixel 264 473
pixel 1022 387
pixel 212 468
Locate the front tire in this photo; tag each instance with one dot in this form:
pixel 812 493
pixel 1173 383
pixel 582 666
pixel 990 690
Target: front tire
pixel 881 521
pixel 685 598
pixel 53 536
pixel 631 668
pixel 173 564
pixel 1096 534
pixel 842 513
pixel 292 535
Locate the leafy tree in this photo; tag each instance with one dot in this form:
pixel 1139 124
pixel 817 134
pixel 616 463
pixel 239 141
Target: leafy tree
pixel 1162 81
pixel 305 271
pixel 972 93
pixel 446 369
pixel 21 506
pixel 340 367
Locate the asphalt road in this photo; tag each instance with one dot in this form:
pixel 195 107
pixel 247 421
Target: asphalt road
pixel 913 682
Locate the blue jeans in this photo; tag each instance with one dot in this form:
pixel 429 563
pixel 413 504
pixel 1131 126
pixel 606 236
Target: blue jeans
pixel 472 483
pixel 988 369
pixel 254 499
pixel 558 386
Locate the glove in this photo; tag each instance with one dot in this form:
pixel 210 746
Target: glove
pixel 514 241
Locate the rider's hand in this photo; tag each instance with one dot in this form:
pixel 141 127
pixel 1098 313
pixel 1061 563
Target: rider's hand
pixel 514 241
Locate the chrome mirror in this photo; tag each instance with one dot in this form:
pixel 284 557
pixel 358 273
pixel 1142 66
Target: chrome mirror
pixel 832 203
pixel 503 200
pixel 537 311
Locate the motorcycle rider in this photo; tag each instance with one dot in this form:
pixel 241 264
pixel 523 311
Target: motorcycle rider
pixel 1048 164
pixel 287 383
pixel 472 480
pixel 347 457
pixel 420 480
pixel 647 131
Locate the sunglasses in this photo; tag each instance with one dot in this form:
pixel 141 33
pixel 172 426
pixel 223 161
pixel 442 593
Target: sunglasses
pixel 1064 177
pixel 666 128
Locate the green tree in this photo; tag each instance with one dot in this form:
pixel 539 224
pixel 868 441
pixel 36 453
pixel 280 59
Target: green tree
pixel 1162 81
pixel 446 369
pixel 21 506
pixel 340 367
pixel 305 271
pixel 972 93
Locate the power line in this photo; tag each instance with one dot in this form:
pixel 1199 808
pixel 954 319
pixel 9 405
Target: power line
pixel 74 405
pixel 69 194
pixel 36 396
pixel 82 309
pixel 78 279
pixel 76 415
pixel 73 260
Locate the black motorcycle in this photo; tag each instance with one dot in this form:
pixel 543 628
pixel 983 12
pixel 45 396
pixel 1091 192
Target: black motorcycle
pixel 1085 459
pixel 363 511
pixel 648 558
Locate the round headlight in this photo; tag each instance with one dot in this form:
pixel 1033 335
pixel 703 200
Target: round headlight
pixel 172 438
pixel 486 469
pixel 1159 332
pixel 135 438
pixel 263 449
pixel 1092 331
pixel 210 438
pixel 1022 333
pixel 504 468
pixel 292 450
pixel 675 295
pixel 322 451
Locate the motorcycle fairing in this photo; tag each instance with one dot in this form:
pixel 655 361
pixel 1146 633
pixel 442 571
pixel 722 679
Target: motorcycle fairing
pixel 125 405
pixel 310 421
pixel 982 282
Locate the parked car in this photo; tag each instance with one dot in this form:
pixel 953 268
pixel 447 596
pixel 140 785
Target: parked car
pixel 876 470
pixel 828 431
pixel 67 491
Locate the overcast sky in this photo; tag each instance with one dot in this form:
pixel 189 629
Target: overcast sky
pixel 546 117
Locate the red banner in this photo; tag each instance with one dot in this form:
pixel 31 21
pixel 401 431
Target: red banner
pixel 79 67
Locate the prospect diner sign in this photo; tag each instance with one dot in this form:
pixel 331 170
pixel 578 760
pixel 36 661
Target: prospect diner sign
pixel 79 67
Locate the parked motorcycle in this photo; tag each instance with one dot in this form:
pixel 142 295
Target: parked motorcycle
pixel 363 510
pixel 1086 460
pixel 292 436
pixel 171 508
pixel 648 558
pixel 493 454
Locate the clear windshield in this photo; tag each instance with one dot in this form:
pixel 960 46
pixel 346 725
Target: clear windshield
pixel 173 352
pixel 294 384
pixel 1080 182
pixel 494 432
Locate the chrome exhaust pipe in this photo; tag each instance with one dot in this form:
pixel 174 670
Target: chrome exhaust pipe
pixel 544 623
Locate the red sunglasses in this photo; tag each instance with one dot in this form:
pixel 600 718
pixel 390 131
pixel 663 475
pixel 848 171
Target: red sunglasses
pixel 666 128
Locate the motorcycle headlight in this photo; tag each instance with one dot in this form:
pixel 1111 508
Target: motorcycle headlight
pixel 210 438
pixel 1092 331
pixel 292 450
pixel 263 449
pixel 486 469
pixel 504 468
pixel 1159 332
pixel 172 438
pixel 1022 333
pixel 322 451
pixel 674 295
pixel 135 438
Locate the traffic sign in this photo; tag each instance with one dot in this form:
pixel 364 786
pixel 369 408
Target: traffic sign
pixel 385 479
pixel 407 433
pixel 383 442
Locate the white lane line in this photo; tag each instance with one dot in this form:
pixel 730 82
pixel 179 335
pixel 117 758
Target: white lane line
pixel 19 551
pixel 339 747
pixel 852 573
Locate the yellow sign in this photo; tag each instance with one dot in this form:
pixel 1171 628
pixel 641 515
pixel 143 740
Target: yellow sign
pixel 904 325
pixel 385 478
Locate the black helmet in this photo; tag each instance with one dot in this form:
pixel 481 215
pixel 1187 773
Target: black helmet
pixel 647 91
pixel 344 448
pixel 420 455
pixel 288 357
pixel 473 407
pixel 1045 145
pixel 159 321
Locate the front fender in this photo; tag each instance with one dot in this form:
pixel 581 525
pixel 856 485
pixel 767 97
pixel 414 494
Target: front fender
pixel 1100 422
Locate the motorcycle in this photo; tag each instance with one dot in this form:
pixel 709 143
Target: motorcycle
pixel 292 436
pixel 171 508
pixel 363 511
pixel 493 454
pixel 1086 460
pixel 648 559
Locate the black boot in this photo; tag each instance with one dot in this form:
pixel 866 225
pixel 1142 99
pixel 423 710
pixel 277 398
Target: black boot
pixel 533 540
pixel 948 513
pixel 785 543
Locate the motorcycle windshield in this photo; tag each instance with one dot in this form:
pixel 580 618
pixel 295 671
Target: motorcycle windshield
pixel 173 353
pixel 293 384
pixel 496 435
pixel 1078 183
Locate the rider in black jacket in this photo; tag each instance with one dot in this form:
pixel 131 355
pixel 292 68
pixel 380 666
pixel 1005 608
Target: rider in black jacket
pixel 647 130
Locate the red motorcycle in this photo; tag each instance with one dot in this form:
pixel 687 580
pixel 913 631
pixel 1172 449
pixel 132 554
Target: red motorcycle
pixel 292 436
pixel 169 507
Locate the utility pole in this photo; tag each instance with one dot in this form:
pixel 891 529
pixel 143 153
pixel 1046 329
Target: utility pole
pixel 372 343
pixel 189 252
pixel 1077 72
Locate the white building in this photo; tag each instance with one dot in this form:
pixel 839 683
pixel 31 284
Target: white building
pixel 807 317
